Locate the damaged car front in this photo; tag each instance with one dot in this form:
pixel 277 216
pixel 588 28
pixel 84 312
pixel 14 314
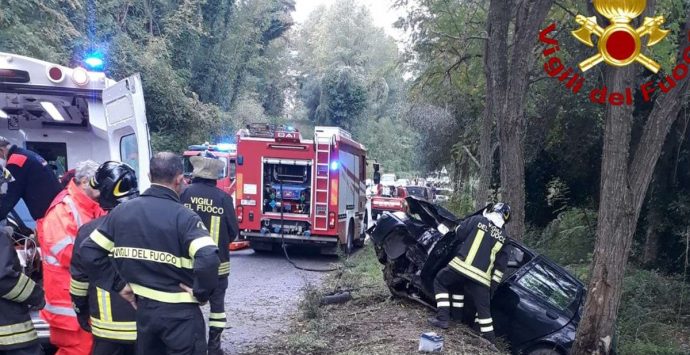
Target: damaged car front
pixel 536 307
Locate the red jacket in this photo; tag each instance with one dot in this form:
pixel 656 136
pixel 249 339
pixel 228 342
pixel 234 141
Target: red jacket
pixel 57 231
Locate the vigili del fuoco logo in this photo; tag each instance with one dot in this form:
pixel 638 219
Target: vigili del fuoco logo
pixel 619 45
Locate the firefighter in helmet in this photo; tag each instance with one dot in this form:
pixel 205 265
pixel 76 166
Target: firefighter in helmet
pixel 215 207
pixel 17 293
pixel 109 317
pixel 476 269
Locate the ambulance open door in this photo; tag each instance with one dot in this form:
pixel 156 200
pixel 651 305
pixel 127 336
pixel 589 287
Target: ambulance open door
pixel 128 134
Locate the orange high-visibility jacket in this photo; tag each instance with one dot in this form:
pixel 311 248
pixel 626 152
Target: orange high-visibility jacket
pixel 56 233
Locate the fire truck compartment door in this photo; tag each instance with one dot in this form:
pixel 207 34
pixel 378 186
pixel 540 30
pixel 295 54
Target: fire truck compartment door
pixel 287 161
pixel 128 134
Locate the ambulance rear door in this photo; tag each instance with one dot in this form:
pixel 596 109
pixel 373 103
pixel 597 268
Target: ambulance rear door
pixel 128 134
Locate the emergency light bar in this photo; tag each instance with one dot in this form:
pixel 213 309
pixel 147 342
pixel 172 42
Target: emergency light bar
pixel 222 147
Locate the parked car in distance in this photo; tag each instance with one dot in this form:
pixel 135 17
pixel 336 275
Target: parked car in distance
pixel 537 306
pixel 443 194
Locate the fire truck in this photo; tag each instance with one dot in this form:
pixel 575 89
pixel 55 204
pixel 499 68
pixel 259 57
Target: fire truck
pixel 299 191
pixel 68 115
pixel 226 152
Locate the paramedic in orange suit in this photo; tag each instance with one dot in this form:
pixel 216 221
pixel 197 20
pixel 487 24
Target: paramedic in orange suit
pixel 72 208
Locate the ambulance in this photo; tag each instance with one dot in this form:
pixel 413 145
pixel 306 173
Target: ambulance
pixel 68 115
pixel 298 191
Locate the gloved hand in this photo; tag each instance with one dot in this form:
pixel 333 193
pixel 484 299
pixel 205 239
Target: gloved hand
pixel 39 306
pixel 83 320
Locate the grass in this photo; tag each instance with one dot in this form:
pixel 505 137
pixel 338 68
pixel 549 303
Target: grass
pixel 371 323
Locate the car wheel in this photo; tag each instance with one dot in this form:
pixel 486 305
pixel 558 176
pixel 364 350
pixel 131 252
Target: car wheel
pixel 544 350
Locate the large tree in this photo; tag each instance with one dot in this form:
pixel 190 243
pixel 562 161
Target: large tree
pixel 507 69
pixel 626 171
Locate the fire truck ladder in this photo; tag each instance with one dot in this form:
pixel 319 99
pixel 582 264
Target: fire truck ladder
pixel 322 186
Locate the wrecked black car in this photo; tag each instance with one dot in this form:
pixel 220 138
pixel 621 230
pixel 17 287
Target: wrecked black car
pixel 537 306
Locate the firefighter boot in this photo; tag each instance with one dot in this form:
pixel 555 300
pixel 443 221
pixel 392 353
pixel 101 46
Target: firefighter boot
pixel 438 323
pixel 214 341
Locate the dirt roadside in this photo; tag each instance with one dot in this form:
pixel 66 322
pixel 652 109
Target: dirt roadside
pixel 371 323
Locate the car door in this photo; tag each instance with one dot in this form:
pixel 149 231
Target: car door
pixel 128 134
pixel 533 302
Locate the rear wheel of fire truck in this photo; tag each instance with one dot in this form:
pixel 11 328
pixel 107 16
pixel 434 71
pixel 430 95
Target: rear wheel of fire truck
pixel 363 235
pixel 349 246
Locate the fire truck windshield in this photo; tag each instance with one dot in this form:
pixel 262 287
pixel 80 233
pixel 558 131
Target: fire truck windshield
pixel 228 170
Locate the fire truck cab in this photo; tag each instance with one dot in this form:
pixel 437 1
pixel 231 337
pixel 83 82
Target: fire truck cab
pixel 226 152
pixel 298 191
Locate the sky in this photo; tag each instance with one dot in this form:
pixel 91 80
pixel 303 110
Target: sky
pixel 381 11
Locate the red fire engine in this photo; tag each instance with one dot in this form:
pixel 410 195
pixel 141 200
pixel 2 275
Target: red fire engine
pixel 298 191
pixel 226 153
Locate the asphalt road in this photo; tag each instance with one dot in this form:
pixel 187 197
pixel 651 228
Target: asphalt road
pixel 263 294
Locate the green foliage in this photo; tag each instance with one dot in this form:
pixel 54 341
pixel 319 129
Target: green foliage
pixel 197 58
pixel 653 317
pixel 568 239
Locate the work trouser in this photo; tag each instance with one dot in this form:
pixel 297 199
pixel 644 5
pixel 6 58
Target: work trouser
pixel 169 328
pixel 107 347
pixel 217 319
pixel 71 342
pixel 449 286
pixel 33 349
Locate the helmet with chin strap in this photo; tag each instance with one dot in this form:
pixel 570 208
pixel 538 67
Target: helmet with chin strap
pixel 117 183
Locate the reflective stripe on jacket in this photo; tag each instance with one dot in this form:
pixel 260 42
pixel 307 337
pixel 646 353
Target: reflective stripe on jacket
pixel 56 233
pixel 481 256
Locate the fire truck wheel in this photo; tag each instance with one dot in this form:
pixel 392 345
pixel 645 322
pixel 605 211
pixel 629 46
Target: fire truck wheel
pixel 349 246
pixel 363 235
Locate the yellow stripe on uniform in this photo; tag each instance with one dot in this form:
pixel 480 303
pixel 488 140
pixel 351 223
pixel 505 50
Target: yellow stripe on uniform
pixel 21 290
pixel 114 325
pixel 17 333
pixel 216 324
pixel 470 271
pixel 199 243
pixel 494 251
pixel 101 240
pixel 162 296
pixel 216 315
pixel 224 268
pixel 78 288
pixel 475 246
pixel 126 335
pixel 215 228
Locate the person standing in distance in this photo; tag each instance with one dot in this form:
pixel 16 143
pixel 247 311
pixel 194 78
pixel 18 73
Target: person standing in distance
pixel 109 317
pixel 164 255
pixel 215 207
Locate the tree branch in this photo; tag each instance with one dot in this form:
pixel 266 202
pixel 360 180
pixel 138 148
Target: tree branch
pixel 472 156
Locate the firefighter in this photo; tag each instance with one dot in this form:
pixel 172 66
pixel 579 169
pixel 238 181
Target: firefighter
pixel 477 268
pixel 215 208
pixel 164 255
pixel 71 209
pixel 109 317
pixel 17 294
pixel 34 181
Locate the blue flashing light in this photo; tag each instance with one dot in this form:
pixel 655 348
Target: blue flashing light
pixel 290 129
pixel 334 165
pixel 226 147
pixel 94 61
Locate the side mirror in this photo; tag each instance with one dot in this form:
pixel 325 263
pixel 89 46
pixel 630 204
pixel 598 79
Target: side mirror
pixel 377 177
pixel 240 160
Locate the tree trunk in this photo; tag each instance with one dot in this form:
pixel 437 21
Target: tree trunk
pixel 623 189
pixel 486 159
pixel 595 332
pixel 529 16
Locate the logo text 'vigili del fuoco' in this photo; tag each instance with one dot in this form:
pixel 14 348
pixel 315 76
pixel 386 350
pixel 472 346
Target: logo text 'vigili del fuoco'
pixel 618 45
